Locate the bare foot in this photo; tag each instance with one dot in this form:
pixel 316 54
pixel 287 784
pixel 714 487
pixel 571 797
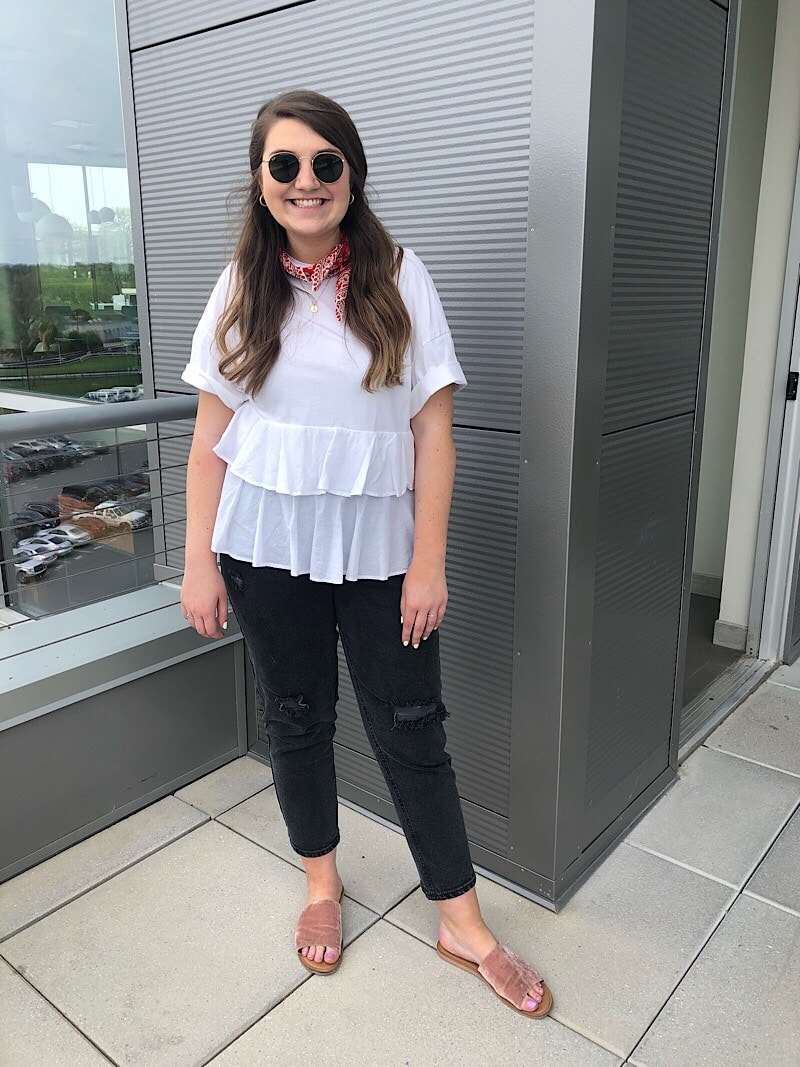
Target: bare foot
pixel 324 889
pixel 474 943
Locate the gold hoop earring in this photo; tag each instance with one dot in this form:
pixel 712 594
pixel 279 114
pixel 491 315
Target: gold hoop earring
pixel 262 201
pixel 352 198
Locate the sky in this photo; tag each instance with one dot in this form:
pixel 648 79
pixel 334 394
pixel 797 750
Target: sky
pixel 60 186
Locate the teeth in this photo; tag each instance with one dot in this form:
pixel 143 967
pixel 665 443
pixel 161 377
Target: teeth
pixel 308 203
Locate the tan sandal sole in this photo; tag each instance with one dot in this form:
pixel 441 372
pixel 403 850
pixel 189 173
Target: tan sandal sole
pixel 322 967
pixel 545 1004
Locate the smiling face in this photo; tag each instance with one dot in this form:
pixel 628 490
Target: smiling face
pixel 309 210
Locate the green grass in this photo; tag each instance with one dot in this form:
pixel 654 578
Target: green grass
pixel 59 286
pixel 74 387
pixel 122 361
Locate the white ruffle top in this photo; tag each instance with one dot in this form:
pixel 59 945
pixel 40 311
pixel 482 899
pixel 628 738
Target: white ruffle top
pixel 320 475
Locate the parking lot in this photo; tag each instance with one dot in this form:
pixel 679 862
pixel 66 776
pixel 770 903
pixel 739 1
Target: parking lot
pixel 115 563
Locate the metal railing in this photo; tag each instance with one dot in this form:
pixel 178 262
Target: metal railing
pixel 139 463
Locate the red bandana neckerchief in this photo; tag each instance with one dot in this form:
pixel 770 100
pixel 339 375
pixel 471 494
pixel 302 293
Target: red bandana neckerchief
pixel 336 262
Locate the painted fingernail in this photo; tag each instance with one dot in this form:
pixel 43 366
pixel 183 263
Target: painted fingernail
pixel 225 626
pixel 401 620
pixel 405 643
pixel 416 645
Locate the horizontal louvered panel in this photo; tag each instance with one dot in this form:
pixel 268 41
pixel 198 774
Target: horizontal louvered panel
pixel 484 828
pixel 436 174
pixel 151 21
pixel 670 115
pixel 643 504
pixel 477 633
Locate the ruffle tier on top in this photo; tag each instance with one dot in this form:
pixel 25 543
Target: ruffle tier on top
pixel 328 537
pixel 312 460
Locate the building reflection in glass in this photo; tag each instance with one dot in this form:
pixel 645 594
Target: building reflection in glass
pixel 68 315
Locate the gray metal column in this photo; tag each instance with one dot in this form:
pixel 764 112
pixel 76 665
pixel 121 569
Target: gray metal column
pixel 575 122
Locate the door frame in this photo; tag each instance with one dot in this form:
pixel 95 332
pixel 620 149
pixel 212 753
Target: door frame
pixel 775 577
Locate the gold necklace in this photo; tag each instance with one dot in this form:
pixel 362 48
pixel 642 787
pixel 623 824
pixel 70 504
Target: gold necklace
pixel 314 297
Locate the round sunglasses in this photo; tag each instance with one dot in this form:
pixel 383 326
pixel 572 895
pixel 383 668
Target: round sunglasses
pixel 285 166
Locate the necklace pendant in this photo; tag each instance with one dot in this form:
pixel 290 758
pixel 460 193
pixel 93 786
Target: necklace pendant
pixel 314 308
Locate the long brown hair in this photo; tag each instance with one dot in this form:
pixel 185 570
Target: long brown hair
pixel 261 296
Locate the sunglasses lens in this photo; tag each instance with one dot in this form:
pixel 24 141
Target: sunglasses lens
pixel 284 167
pixel 328 167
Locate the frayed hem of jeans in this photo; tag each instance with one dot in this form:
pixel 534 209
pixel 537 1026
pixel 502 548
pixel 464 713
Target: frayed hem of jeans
pixel 432 895
pixel 314 855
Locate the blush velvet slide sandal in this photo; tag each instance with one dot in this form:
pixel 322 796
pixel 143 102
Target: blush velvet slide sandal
pixel 320 923
pixel 507 975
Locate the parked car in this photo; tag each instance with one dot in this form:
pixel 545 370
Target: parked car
pixel 62 546
pixel 28 569
pixel 134 484
pixel 45 555
pixel 112 395
pixel 46 450
pixel 47 508
pixel 67 452
pixel 76 535
pixel 12 472
pixel 18 461
pixel 82 450
pixel 23 518
pixel 118 515
pixel 91 523
pixel 38 461
pixel 85 497
pixel 44 522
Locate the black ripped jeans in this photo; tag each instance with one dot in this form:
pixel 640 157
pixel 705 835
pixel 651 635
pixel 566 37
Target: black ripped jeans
pixel 290 626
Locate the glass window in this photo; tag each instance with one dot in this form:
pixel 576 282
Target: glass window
pixel 68 314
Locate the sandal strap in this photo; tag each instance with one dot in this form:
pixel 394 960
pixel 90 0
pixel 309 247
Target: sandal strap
pixel 509 975
pixel 320 923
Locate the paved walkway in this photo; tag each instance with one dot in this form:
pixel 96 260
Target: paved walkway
pixel 166 940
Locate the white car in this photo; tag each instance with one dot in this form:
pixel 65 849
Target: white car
pixel 75 534
pixel 117 514
pixel 60 545
pixel 44 555
pixel 28 569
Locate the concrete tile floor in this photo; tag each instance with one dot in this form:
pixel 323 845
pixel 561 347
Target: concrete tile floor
pixel 166 940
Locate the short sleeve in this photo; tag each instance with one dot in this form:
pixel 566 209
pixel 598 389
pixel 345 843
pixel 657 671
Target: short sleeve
pixel 202 370
pixel 433 357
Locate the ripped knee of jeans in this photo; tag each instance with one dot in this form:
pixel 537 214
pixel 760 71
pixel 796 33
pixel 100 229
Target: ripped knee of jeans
pixel 236 579
pixel 415 716
pixel 291 707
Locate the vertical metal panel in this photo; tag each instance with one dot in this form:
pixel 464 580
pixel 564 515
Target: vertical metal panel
pixel 644 474
pixel 450 180
pixel 792 649
pixel 670 119
pixel 577 93
pixel 671 108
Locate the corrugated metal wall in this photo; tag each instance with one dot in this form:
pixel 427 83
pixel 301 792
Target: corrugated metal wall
pixel 442 96
pixel 670 121
pixel 451 182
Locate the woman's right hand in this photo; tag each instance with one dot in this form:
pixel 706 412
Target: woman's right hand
pixel 204 600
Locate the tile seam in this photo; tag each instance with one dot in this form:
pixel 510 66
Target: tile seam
pixel 102 881
pixel 748 759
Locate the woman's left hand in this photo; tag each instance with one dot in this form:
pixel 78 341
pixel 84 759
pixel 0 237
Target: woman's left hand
pixel 423 601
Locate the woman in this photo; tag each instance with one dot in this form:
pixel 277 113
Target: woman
pixel 321 472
